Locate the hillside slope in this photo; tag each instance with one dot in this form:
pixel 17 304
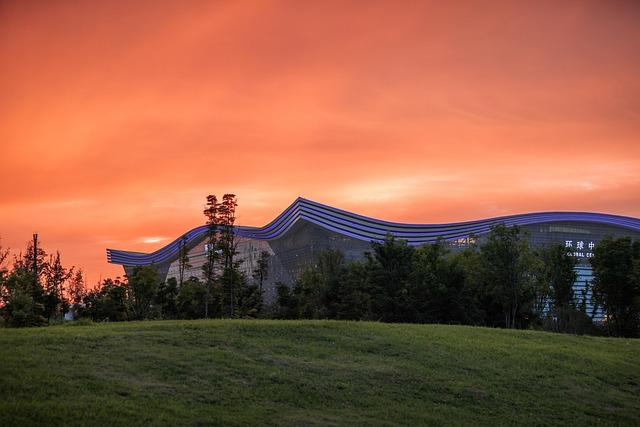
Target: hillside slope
pixel 235 372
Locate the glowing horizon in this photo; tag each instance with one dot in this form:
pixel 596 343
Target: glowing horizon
pixel 117 119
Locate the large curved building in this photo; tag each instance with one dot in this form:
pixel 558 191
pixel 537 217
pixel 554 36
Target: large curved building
pixel 307 228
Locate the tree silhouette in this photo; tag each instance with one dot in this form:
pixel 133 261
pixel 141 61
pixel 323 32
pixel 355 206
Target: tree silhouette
pixel 211 212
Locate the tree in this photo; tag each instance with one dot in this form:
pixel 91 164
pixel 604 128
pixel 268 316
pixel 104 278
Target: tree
pixel 308 293
pixel 166 298
pixel 438 290
pixel 261 271
pixel 286 302
pixel 390 267
pixel 108 301
pixel 331 269
pixel 55 276
pixel 77 292
pixel 540 288
pixel 509 266
pixel 250 301
pixel 227 216
pixel 35 259
pixel 227 244
pixel 143 284
pixel 211 212
pixel 23 306
pixel 23 294
pixel 191 299
pixel 330 288
pixel 77 289
pixel 318 286
pixel 4 274
pixel 231 284
pixel 487 310
pixel 559 275
pixel 616 284
pixel 354 293
pixel 183 260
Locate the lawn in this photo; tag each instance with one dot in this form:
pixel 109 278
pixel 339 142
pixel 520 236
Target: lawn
pixel 239 372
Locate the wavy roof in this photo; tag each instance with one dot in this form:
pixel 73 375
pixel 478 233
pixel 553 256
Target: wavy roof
pixel 368 229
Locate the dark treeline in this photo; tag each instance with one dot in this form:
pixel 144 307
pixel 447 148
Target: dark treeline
pixel 36 288
pixel 501 283
pixel 143 295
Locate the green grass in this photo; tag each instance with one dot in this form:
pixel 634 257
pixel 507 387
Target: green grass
pixel 237 372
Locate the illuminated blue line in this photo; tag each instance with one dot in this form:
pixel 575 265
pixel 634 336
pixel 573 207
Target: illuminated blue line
pixel 367 229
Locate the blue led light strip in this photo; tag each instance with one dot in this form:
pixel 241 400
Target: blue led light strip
pixel 367 229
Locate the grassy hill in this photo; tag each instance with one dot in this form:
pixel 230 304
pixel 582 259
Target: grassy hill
pixel 235 372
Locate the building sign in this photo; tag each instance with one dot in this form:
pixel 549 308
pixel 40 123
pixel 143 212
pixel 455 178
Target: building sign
pixel 579 248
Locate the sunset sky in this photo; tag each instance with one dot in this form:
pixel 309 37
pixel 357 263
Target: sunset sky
pixel 117 118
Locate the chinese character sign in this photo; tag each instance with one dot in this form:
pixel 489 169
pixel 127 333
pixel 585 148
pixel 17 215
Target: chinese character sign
pixel 578 248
